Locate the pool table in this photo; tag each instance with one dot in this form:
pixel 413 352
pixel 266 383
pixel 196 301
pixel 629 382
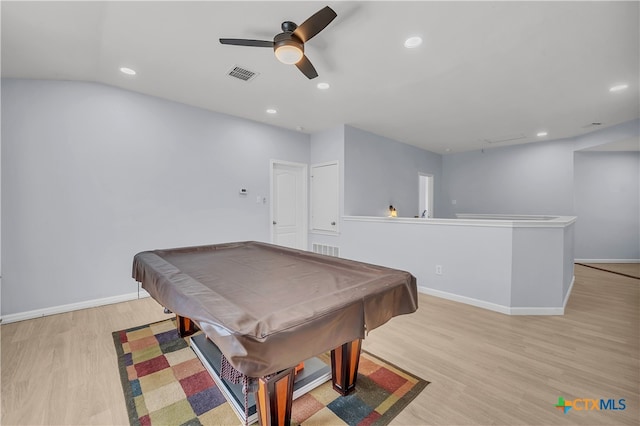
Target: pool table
pixel 268 307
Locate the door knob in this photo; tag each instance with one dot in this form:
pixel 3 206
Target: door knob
pixel 275 223
pixel 333 223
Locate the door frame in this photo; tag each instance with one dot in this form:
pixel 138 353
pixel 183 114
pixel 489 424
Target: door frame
pixel 303 169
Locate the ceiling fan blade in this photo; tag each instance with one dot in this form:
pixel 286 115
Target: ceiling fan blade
pixel 307 69
pixel 316 23
pixel 246 42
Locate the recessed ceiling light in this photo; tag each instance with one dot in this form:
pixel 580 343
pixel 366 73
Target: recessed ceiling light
pixel 619 87
pixel 412 42
pixel 127 71
pixel 541 134
pixel 323 86
pixel 271 111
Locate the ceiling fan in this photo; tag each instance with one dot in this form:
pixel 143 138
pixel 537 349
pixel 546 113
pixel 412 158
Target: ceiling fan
pixel 289 44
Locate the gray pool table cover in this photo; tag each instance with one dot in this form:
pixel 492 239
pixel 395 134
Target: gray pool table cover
pixel 268 307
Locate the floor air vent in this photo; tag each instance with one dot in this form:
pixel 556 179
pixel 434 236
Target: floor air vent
pixel 242 74
pixel 325 249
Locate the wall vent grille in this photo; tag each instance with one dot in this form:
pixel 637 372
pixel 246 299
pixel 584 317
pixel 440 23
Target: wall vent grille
pixel 242 73
pixel 326 250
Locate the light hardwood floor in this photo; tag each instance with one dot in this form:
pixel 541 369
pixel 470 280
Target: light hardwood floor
pixel 484 367
pixel 631 269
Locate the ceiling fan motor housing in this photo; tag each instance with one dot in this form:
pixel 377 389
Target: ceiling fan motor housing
pixel 288 26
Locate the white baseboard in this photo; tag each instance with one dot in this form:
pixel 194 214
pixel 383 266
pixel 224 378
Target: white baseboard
pixel 536 311
pixel 21 316
pixel 463 299
pixel 507 310
pixel 566 297
pixel 607 260
pixel 53 310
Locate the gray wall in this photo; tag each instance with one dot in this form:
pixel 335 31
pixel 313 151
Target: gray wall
pixel 524 270
pixel 607 197
pixel 532 178
pixel 538 266
pixel 93 174
pixel 469 270
pixel 554 178
pixel 380 171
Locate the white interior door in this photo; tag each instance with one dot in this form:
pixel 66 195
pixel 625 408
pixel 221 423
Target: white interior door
pixel 324 197
pixel 289 204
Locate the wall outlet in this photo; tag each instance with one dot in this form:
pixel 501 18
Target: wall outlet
pixel 438 269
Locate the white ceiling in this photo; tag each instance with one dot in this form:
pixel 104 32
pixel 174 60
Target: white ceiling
pixel 486 70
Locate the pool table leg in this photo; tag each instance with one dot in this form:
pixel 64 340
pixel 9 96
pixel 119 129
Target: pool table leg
pixel 274 397
pixel 344 366
pixel 186 327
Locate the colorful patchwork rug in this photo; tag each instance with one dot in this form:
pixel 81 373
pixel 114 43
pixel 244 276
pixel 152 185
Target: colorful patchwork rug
pixel 165 383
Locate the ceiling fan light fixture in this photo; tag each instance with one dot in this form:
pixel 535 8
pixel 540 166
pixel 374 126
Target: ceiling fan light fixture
pixel 289 53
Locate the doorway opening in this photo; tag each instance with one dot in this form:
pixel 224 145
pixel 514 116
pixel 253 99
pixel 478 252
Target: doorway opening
pixel 425 196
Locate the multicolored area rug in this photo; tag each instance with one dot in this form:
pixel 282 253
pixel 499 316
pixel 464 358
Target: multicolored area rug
pixel 165 383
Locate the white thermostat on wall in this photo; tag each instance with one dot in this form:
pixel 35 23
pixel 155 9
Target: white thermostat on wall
pixel 243 191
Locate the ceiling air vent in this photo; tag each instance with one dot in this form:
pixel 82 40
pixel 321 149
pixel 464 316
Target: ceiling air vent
pixel 504 139
pixel 242 74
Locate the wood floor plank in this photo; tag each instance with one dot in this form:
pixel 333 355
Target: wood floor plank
pixel 484 367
